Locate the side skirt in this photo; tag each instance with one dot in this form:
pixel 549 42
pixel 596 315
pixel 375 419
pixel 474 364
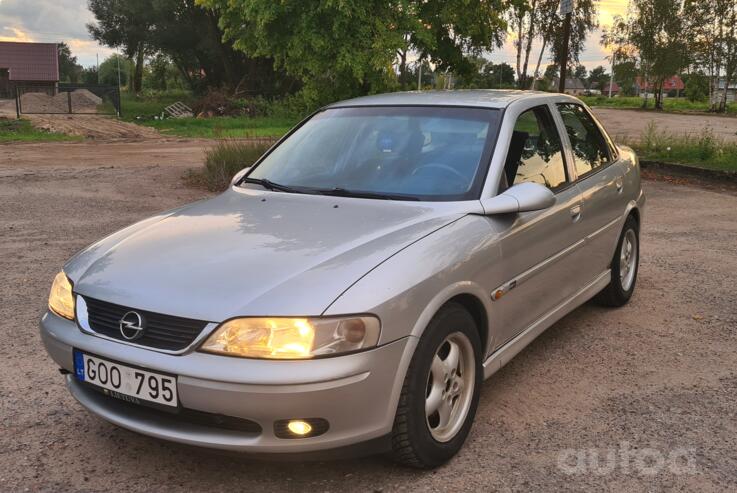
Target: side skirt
pixel 504 354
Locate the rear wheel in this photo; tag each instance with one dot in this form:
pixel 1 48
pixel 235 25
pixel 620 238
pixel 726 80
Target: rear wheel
pixel 440 392
pixel 625 265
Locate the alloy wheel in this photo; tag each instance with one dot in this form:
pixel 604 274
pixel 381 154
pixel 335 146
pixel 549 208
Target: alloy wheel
pixel 628 259
pixel 450 387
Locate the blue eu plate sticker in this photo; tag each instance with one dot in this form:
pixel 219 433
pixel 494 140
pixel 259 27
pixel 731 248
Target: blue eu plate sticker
pixel 79 365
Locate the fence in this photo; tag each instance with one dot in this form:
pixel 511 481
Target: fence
pixel 69 99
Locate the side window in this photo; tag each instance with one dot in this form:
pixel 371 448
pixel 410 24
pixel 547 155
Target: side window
pixel 590 149
pixel 535 153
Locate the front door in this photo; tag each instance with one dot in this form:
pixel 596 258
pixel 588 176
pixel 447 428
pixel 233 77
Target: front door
pixel 600 178
pixel 539 249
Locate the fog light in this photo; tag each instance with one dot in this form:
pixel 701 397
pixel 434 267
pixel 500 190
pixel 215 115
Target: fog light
pixel 300 428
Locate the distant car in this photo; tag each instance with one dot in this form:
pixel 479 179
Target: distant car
pixel 354 287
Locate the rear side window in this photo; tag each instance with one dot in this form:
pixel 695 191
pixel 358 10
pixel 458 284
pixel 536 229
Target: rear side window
pixel 590 149
pixel 535 153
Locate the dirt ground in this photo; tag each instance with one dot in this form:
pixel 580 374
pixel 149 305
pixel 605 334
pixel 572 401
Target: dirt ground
pixel 81 101
pixel 630 124
pixel 650 389
pixel 95 127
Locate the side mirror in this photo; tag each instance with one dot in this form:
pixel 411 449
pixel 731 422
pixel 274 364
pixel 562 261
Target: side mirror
pixel 238 176
pixel 524 197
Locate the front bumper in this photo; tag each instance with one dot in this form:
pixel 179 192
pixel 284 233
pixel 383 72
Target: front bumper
pixel 357 394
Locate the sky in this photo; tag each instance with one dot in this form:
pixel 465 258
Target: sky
pixel 52 21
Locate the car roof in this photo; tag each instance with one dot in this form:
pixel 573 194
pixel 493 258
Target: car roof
pixel 481 98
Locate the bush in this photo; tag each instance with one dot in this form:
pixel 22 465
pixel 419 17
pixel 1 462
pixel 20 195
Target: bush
pixel 225 159
pixel 697 88
pixel 216 103
pixel 707 145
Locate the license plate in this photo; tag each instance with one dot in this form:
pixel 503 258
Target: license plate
pixel 125 382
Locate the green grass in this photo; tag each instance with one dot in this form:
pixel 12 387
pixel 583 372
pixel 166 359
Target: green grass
pixel 703 150
pixel 221 127
pixel 143 110
pixel 23 131
pixel 670 104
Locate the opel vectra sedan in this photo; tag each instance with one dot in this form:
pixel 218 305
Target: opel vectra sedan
pixel 354 287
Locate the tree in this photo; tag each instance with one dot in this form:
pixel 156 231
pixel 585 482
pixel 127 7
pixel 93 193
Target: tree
pixel 124 24
pixel 697 87
pixel 580 72
pixel 69 69
pixel 347 48
pixel 89 76
pixel 598 78
pixel 584 20
pixel 551 72
pixel 711 30
pixel 487 75
pixel 109 70
pixel 656 31
pixel 189 36
pixel 499 75
pixel 539 19
pixel 726 46
pixel 625 74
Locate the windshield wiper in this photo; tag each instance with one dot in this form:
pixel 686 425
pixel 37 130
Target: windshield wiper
pixel 270 185
pixel 343 192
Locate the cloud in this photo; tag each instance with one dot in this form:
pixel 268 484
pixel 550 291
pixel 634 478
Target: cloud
pixel 51 21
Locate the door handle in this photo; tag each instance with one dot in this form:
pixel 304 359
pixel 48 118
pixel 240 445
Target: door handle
pixel 619 183
pixel 576 213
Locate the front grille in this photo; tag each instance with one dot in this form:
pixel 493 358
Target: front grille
pixel 161 331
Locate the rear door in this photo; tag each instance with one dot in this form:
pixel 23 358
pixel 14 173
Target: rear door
pixel 539 248
pixel 600 177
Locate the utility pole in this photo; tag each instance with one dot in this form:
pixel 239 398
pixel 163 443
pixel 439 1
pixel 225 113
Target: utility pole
pixel 117 58
pixel 97 55
pixel 419 74
pixel 611 78
pixel 566 8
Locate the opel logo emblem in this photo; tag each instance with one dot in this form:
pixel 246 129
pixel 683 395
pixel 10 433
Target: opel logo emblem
pixel 131 326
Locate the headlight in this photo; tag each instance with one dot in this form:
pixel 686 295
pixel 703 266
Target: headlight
pixel 293 338
pixel 61 299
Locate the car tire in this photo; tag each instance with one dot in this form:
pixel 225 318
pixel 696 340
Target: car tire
pixel 426 439
pixel 625 266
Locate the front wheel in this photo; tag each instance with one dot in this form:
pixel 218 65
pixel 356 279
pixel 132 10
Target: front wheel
pixel 440 392
pixel 625 265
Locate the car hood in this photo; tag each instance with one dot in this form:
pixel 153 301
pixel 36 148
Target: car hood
pixel 248 252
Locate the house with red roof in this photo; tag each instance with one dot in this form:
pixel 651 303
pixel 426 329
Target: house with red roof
pixel 604 88
pixel 28 64
pixel 674 83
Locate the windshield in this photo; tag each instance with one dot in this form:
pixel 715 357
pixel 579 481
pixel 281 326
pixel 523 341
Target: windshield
pixel 412 153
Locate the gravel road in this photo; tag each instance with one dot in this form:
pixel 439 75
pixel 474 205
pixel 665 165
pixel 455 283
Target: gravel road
pixel 629 125
pixel 653 384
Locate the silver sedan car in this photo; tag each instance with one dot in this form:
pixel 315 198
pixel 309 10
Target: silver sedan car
pixel 353 288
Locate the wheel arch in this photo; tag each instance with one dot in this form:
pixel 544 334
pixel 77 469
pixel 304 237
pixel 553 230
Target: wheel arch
pixel 467 294
pixel 634 212
pixel 476 309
